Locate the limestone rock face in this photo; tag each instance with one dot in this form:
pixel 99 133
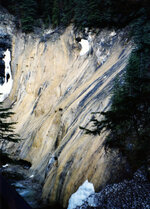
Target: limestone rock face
pixel 54 91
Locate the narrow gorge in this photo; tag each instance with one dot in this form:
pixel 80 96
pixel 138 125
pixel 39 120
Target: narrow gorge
pixel 59 78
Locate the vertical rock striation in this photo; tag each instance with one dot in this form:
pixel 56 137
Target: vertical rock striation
pixel 55 89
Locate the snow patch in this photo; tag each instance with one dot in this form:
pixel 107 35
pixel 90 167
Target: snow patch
pixel 48 31
pixel 5 89
pixel 84 191
pixel 113 33
pixel 85 46
pixel 4 166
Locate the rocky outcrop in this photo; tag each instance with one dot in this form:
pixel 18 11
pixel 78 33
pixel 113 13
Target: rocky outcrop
pixel 132 193
pixel 55 89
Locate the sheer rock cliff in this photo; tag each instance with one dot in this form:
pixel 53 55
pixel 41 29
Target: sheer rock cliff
pixel 54 91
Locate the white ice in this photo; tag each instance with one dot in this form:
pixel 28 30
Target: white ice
pixel 85 46
pixel 84 191
pixel 5 89
pixel 113 33
pixel 4 166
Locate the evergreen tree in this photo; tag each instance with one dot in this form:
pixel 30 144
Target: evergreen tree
pixel 46 7
pixel 6 131
pixel 68 12
pixel 85 13
pixel 28 12
pixel 81 14
pixel 56 13
pixel 128 119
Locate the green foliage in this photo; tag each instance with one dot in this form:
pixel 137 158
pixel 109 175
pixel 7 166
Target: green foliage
pixel 56 14
pixel 94 13
pixel 85 13
pixel 6 130
pixel 108 13
pixel 81 14
pixel 67 12
pixel 46 6
pixel 25 11
pixel 128 119
pixel 27 14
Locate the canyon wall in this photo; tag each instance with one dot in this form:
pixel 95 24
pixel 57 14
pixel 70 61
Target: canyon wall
pixel 56 88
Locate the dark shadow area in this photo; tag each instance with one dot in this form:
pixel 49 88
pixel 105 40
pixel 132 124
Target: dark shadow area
pixel 9 198
pixel 52 207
